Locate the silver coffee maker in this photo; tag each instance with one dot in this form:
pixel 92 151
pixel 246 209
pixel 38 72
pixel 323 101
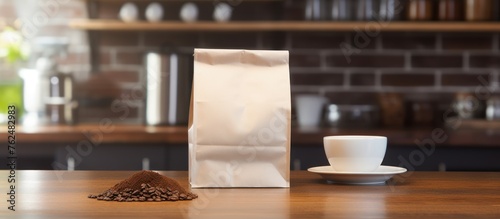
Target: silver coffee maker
pixel 37 79
pixel 169 75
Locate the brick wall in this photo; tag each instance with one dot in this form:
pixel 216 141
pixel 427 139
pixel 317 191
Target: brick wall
pixel 429 66
pixel 434 65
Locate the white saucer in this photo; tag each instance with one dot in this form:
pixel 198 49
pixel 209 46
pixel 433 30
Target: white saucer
pixel 379 176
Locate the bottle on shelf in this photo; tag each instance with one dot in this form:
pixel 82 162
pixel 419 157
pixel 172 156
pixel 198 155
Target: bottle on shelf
pixel 451 10
pixel 366 10
pixel 390 9
pixel 478 10
pixel 315 10
pixel 341 10
pixel 420 10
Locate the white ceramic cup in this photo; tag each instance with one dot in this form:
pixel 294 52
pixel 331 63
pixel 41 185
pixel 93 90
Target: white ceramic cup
pixel 309 109
pixel 154 12
pixel 355 153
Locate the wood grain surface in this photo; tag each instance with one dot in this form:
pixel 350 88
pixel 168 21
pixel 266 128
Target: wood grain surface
pixel 60 194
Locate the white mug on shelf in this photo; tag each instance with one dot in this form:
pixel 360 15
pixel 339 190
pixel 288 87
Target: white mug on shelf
pixel 222 12
pixel 309 109
pixel 189 12
pixel 154 12
pixel 129 12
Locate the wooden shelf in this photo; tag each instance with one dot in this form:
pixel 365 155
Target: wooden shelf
pixel 116 25
pixel 175 0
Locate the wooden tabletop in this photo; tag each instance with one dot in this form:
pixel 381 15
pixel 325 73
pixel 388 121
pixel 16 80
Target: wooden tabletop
pixel 51 194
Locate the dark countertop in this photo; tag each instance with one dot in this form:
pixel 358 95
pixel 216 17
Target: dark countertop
pixel 130 134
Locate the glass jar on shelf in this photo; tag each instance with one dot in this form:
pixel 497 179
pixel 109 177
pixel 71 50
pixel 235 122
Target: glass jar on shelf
pixel 341 10
pixel 420 10
pixel 315 10
pixel 478 10
pixel 451 10
pixel 366 10
pixel 391 10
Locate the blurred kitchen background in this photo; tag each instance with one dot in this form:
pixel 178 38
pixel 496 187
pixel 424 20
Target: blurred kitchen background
pixel 425 73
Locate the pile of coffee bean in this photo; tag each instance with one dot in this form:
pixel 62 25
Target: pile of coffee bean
pixel 147 193
pixel 146 186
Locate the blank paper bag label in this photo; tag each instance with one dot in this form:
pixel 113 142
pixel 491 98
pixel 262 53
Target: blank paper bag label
pixel 239 130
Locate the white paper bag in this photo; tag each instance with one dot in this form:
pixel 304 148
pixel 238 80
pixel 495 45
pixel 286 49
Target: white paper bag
pixel 239 128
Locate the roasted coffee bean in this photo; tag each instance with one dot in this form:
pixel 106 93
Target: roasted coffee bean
pixel 154 189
